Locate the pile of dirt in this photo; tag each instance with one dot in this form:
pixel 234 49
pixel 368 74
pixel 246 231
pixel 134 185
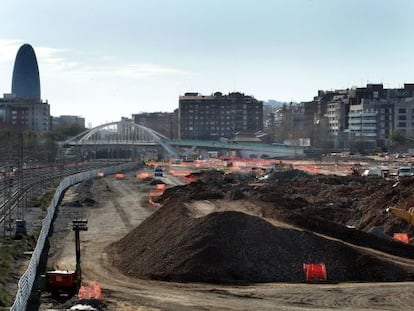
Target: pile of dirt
pixel 236 247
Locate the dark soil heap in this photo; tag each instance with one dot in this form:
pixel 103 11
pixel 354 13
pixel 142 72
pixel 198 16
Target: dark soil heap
pixel 234 247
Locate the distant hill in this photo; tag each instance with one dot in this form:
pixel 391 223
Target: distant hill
pixel 276 103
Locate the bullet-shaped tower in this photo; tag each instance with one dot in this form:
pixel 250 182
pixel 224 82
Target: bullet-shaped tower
pixel 26 81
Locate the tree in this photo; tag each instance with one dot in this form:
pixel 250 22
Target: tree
pixel 398 137
pixel 66 131
pixel 397 140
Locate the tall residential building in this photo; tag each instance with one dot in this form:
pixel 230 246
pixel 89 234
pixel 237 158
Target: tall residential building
pixel 218 115
pixel 288 122
pixel 26 81
pixel 164 123
pixel 404 116
pixel 365 115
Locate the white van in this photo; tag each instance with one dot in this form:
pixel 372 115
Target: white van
pixel 405 171
pixel 372 172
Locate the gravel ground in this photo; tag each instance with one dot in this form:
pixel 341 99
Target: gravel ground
pixel 235 216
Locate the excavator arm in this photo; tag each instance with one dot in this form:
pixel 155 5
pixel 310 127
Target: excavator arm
pixel 403 214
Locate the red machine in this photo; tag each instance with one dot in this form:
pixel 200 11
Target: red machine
pixel 315 272
pixel 66 282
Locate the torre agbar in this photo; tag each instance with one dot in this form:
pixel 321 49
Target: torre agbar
pixel 23 107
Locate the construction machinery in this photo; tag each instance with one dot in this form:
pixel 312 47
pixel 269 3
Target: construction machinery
pixel 407 215
pixel 158 171
pixel 356 170
pixel 66 282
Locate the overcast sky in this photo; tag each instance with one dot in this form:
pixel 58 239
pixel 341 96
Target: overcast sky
pixel 106 59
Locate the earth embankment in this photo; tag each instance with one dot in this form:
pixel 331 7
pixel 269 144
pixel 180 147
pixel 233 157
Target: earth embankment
pixel 265 232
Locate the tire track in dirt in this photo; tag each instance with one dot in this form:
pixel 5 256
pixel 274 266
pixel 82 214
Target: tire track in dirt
pixel 124 217
pixel 122 292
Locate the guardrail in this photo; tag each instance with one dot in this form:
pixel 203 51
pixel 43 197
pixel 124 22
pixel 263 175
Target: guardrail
pixel 26 282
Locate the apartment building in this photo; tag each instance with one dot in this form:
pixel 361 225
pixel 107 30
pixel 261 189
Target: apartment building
pixel 164 123
pixel 22 113
pixel 369 114
pixel 218 115
pixel 404 116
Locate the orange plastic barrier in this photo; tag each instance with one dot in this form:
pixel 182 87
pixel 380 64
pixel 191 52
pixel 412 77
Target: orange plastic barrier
pixel 234 168
pixel 315 272
pixel 179 173
pixel 403 237
pixel 101 174
pixel 119 176
pixel 161 186
pixel 143 175
pixel 156 192
pixel 191 178
pixel 93 291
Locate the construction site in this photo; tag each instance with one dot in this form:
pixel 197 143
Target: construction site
pixel 225 236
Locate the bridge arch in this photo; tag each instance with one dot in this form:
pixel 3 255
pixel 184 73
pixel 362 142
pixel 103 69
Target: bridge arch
pixel 121 133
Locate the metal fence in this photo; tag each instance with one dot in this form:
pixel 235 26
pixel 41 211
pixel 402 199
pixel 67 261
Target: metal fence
pixel 26 282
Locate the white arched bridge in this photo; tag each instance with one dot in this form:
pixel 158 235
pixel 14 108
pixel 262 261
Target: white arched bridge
pixel 121 133
pixel 128 134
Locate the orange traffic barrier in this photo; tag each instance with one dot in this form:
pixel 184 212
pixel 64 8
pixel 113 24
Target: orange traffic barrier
pixel 179 173
pixel 403 237
pixel 119 176
pixel 315 272
pixel 191 178
pixel 160 186
pixel 93 291
pixel 234 168
pixel 256 185
pixel 156 192
pixel 101 174
pixel 143 175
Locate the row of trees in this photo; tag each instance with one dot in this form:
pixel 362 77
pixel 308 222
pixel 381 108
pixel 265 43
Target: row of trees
pixel 26 146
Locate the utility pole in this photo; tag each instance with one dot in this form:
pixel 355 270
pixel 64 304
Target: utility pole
pixel 20 205
pixel 78 225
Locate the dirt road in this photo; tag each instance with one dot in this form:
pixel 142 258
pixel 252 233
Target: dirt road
pixel 122 204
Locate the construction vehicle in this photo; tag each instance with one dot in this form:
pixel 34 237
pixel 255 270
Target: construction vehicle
pixel 356 170
pixel 407 215
pixel 66 282
pixel 405 171
pixel 158 171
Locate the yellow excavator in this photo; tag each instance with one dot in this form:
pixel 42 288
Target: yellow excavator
pixel 407 215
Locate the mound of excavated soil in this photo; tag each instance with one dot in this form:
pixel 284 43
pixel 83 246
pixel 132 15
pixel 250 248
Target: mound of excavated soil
pixel 234 247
